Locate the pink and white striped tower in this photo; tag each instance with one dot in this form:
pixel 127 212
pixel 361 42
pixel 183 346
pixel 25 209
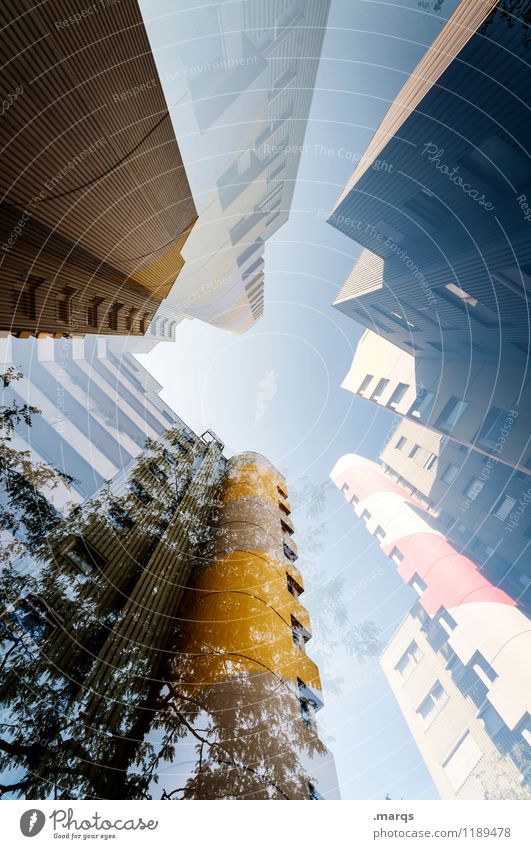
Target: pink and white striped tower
pixel 483 623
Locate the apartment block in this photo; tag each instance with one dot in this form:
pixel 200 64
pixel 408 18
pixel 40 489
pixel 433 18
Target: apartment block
pixel 484 407
pixel 98 405
pixel 242 77
pixel 169 599
pixel 440 200
pixel 477 627
pixel 96 205
pixel 479 504
pixel 459 737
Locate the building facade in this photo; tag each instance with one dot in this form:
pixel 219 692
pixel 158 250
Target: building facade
pixel 445 713
pixel 479 504
pixel 241 77
pixel 477 627
pixel 96 205
pixel 440 200
pixel 98 405
pixel 130 674
pixel 483 407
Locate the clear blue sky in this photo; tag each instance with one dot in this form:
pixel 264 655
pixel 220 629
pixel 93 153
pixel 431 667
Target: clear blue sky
pixel 276 389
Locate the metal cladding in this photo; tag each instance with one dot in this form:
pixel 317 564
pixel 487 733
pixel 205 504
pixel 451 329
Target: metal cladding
pixel 96 205
pixel 479 617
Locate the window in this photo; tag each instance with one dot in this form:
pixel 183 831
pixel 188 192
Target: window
pixel 293 587
pixel 158 473
pixel 397 395
pixel 284 507
pixel 414 451
pixel 289 553
pixel 120 519
pixel 430 462
pixel 421 404
pixel 409 660
pixel 307 706
pixel 432 703
pixel 299 633
pixel 92 311
pixel 495 421
pixel 282 492
pixel 453 411
pixel 380 386
pixel 446 621
pixel 467 303
pixel 418 584
pixel 25 299
pixel 84 556
pixel 64 304
pixel 450 473
pixel 462 759
pixel 365 516
pixel 365 382
pixel 396 555
pixel 379 533
pixel 401 442
pixel 112 317
pixel 314 793
pixel 503 507
pixel 483 669
pixel 285 527
pixel 473 488
pixel 141 493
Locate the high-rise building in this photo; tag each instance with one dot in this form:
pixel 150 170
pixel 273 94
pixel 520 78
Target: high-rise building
pixel 461 742
pixel 482 632
pixel 440 199
pixel 98 405
pixel 484 407
pixel 241 79
pixel 131 676
pixel 96 205
pixel 481 506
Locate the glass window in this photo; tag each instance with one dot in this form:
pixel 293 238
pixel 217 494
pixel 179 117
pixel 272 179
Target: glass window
pixel 421 404
pixel 396 555
pixel 503 507
pixel 401 442
pixel 84 556
pixel 379 533
pixel 365 516
pixel 450 473
pixel 380 386
pixel 473 488
pixel 469 304
pixel 141 493
pixel 414 451
pixel 461 760
pixel 397 395
pixel 293 587
pixel 365 382
pixel 430 462
pixel 418 584
pixel 409 660
pixel 495 421
pixel 433 702
pixel 453 411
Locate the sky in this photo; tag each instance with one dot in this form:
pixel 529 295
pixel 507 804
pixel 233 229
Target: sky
pixel 277 388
